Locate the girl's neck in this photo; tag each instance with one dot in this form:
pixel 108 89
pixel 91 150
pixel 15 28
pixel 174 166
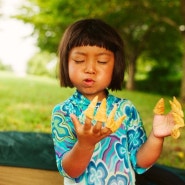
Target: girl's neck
pixel 101 96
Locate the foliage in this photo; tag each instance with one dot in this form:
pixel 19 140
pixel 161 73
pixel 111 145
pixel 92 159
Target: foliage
pixel 149 28
pixel 4 67
pixel 143 24
pixel 161 80
pixel 42 64
pixel 26 105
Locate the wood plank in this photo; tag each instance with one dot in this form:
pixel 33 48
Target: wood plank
pixel 27 176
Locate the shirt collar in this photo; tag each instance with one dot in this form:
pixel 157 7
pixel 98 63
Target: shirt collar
pixel 81 98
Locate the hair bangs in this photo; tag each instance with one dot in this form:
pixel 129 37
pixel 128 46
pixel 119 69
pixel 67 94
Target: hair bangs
pixel 92 38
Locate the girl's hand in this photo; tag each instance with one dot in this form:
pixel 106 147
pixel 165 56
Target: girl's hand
pixel 163 124
pixel 169 124
pixel 88 135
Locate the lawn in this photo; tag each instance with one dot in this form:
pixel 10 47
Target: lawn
pixel 26 105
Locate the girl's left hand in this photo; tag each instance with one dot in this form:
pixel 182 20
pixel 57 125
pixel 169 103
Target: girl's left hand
pixel 163 124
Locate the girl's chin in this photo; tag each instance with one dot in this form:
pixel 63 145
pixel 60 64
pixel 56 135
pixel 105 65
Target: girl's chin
pixel 90 94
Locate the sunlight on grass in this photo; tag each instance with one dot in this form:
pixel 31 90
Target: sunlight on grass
pixel 26 105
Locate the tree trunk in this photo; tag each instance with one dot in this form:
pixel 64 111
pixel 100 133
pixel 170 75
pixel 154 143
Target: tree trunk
pixel 183 72
pixel 183 59
pixel 130 84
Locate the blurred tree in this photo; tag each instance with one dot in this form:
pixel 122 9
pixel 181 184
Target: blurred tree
pixel 150 29
pixel 182 29
pixel 4 67
pixel 42 64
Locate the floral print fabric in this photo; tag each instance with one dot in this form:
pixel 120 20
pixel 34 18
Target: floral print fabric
pixel 114 158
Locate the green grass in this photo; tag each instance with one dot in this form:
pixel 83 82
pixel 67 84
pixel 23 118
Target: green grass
pixel 26 104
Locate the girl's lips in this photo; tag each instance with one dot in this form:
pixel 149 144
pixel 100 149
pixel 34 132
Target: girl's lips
pixel 89 82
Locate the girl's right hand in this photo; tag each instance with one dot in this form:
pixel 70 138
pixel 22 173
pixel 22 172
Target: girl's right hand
pixel 88 134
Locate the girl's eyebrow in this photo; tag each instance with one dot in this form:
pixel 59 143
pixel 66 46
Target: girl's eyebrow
pixel 79 52
pixel 104 53
pixel 99 54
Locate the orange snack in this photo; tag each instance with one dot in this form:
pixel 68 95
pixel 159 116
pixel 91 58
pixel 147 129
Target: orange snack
pixel 89 112
pixel 159 108
pixel 177 113
pixel 101 114
pixel 111 123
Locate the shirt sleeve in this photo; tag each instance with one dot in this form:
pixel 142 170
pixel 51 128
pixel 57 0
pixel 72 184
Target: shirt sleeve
pixel 63 135
pixel 136 135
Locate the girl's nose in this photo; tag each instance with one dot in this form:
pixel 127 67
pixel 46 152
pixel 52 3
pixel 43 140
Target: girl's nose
pixel 90 67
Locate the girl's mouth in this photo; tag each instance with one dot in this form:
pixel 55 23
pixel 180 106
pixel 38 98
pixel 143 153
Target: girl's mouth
pixel 89 82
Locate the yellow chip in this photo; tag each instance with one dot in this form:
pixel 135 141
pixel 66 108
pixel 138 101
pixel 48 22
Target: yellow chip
pixel 118 123
pixel 159 108
pixel 110 120
pixel 175 133
pixel 111 123
pixel 177 103
pixel 101 112
pixel 178 115
pixel 89 112
pixel 178 119
pixel 176 108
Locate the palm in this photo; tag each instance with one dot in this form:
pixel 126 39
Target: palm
pixel 162 125
pixel 88 134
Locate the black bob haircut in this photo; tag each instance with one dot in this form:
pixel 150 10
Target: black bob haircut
pixel 92 32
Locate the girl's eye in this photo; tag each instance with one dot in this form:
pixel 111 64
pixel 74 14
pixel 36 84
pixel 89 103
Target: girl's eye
pixel 102 62
pixel 78 61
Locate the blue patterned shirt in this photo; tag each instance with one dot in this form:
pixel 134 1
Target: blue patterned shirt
pixel 114 158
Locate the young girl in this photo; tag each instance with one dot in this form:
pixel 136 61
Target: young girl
pixel 92 60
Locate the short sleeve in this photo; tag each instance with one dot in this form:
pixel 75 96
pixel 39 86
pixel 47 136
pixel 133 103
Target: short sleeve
pixel 136 135
pixel 62 134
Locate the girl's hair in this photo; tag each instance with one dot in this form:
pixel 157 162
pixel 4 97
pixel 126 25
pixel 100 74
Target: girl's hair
pixel 92 32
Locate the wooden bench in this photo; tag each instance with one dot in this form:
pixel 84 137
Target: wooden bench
pixel 28 176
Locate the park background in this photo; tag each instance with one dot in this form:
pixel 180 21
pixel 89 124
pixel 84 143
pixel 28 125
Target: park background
pixel 154 37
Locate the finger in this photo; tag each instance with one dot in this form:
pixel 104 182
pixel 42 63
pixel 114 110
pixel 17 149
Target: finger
pixel 105 131
pixel 87 124
pixel 75 121
pixel 97 127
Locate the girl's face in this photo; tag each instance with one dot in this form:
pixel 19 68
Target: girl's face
pixel 90 70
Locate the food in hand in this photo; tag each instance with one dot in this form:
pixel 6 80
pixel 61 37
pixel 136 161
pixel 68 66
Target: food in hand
pixel 111 123
pixel 176 107
pixel 110 120
pixel 117 123
pixel 89 112
pixel 102 116
pixel 101 113
pixel 175 132
pixel 176 112
pixel 178 119
pixel 178 115
pixel 159 108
